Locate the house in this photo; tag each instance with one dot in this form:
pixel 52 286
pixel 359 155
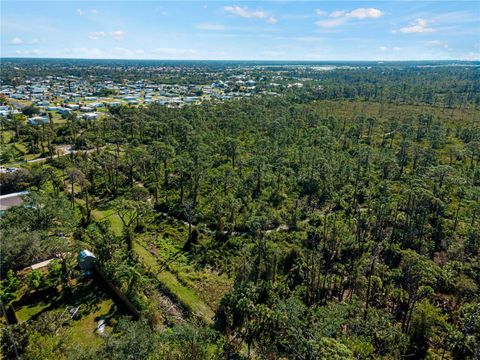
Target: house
pixel 18 96
pixel 114 104
pixel 90 116
pixel 73 106
pixel 10 200
pixel 190 99
pixel 86 259
pixel 41 265
pixel 36 120
pixel 43 103
pixel 64 111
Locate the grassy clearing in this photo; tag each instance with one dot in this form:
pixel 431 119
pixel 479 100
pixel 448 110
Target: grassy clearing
pixel 206 283
pixel 57 118
pixel 93 305
pixel 116 224
pixel 345 108
pixel 209 285
pixel 192 289
pixel 169 282
pixel 28 311
pixel 84 330
pixel 185 296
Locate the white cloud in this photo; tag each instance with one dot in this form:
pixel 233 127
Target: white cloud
pixel 28 52
pixel 461 16
pixel 273 54
pixel 16 41
pixel 471 57
pixel 418 26
pixel 272 20
pixel 126 53
pixel 117 35
pixel 245 12
pixel 161 11
pixel 331 23
pixel 337 13
pixel 82 12
pixel 122 52
pixel 97 35
pixel 340 17
pixel 386 48
pixel 173 52
pixel 83 52
pixel 443 44
pixel 363 13
pixel 212 27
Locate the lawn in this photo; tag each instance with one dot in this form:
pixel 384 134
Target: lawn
pixel 28 311
pixel 84 330
pixel 93 305
pixel 115 223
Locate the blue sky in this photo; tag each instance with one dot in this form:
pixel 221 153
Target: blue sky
pixel 243 30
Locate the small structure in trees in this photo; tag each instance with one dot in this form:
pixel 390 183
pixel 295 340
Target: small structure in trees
pixel 86 260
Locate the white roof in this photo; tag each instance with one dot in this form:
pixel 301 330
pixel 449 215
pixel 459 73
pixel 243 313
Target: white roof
pixel 13 195
pixel 41 264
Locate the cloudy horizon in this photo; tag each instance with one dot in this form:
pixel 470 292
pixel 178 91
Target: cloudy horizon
pixel 220 30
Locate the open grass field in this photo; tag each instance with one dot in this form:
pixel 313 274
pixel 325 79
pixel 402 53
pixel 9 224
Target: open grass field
pixel 84 330
pixel 92 304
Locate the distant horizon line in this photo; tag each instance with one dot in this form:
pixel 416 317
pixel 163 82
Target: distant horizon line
pixel 243 60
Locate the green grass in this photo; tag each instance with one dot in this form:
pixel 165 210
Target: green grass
pixel 84 330
pixel 28 311
pixel 116 224
pixel 188 298
pixel 209 285
pixel 185 295
pixel 93 306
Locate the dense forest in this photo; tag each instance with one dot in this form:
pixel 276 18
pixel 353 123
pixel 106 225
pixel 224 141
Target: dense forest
pixel 336 221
